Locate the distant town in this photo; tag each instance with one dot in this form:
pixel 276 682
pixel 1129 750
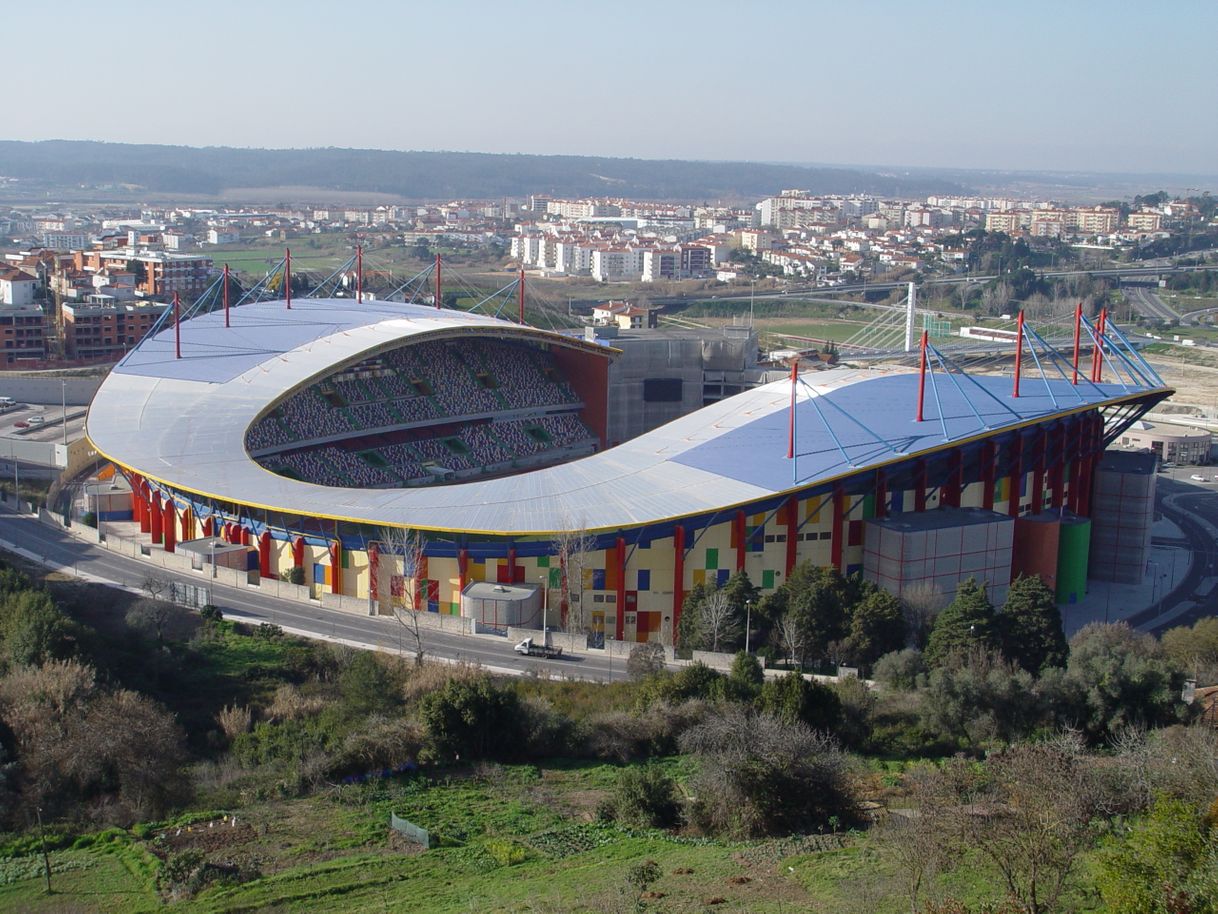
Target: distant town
pixel 82 285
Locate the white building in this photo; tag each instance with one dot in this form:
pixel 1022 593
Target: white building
pixel 17 288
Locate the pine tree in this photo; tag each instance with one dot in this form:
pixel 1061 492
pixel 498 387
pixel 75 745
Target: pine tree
pixel 965 625
pixel 1031 626
pixel 877 626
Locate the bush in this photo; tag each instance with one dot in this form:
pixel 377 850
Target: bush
pixel 647 796
pixel 211 615
pixel 367 686
pixel 89 519
pixel 472 719
pixel 296 575
pixel 793 699
pixel 759 775
pixel 900 670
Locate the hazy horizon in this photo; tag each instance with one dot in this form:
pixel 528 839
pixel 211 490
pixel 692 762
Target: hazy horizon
pixel 1090 87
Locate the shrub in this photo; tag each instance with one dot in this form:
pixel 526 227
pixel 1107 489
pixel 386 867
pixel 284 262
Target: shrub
pixel 646 795
pixel 759 775
pixel 296 575
pixel 792 699
pixel 472 719
pixel 900 670
pixel 234 721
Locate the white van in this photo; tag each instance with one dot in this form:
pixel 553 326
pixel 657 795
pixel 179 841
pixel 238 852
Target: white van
pixel 6 402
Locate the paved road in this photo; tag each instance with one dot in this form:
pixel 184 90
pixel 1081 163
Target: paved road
pixel 1194 508
pixel 50 545
pixel 1148 304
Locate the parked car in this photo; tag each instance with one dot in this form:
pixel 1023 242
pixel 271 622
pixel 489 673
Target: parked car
pixel 1198 477
pixel 36 420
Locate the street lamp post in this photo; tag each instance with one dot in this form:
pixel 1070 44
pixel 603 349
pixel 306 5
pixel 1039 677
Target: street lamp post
pixel 748 620
pixel 63 402
pixel 545 612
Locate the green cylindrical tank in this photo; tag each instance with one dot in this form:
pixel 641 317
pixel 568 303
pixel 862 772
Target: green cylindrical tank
pixel 1072 547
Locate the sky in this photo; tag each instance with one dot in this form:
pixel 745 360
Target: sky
pixel 1070 85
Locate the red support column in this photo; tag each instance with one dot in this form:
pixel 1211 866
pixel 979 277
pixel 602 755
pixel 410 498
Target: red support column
pixel 792 516
pixel 374 575
pixel 169 526
pixel 156 518
pixel 1103 329
pixel 1057 468
pixel 462 571
pixel 298 553
pixel 678 578
pixel 264 554
pixel 881 493
pixel 950 491
pixel 1078 329
pixel 838 539
pixel 1018 351
pixel 209 527
pixel 920 482
pixel 1038 471
pixel 226 323
pixel 287 277
pixel 741 546
pixel 336 567
pixel 436 278
pixel 922 376
pixel 988 452
pixel 619 561
pixel 420 589
pixel 1013 495
pixel 359 274
pixel 511 560
pixel 1073 449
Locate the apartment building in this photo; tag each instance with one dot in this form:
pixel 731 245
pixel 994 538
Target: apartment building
pixel 101 328
pixel 23 332
pixel 162 273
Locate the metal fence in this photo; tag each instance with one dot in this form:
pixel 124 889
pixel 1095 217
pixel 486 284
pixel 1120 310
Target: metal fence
pixel 409 830
pixel 189 594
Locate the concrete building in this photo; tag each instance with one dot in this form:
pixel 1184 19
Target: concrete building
pixel 17 288
pixel 101 328
pixel 1180 444
pixel 23 332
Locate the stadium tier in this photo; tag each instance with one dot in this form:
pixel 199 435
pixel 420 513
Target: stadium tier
pixel 355 407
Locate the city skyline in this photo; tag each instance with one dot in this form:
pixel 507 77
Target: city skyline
pixel 1087 88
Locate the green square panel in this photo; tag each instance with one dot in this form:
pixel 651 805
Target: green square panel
pixel 543 561
pixel 767 579
pixel 712 559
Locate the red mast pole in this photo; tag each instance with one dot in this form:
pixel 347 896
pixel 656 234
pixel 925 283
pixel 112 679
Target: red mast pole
pixel 437 282
pixel 791 421
pixel 359 273
pixel 177 326
pixel 287 277
pixel 1078 329
pixel 922 376
pixel 1018 351
pixel 520 295
pixel 226 323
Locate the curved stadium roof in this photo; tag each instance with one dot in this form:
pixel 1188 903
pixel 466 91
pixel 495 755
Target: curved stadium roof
pixel 183 423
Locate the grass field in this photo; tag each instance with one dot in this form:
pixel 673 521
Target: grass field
pixel 512 839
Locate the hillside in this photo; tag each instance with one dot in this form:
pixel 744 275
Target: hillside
pixel 187 171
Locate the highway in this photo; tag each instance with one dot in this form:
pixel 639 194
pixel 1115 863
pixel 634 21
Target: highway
pixel 1194 508
pixel 1148 304
pixel 49 545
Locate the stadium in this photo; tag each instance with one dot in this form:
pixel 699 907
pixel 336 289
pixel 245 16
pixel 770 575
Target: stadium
pixel 321 434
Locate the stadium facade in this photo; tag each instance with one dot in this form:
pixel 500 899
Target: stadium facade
pixel 223 427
